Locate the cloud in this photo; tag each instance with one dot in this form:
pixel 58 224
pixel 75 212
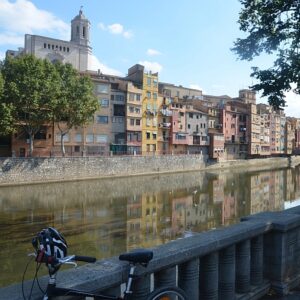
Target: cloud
pixel 153 52
pixel 196 87
pixel 11 39
pixel 23 16
pixel 95 65
pixel 117 29
pixel 293 105
pixel 151 66
pixel 2 55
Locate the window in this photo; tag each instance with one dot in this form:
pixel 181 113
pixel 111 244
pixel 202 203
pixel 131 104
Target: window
pixel 132 122
pixel 78 137
pixel 66 137
pixel 119 98
pixel 41 134
pixel 137 110
pixel 45 45
pixel 154 135
pixel 148 135
pixel 148 95
pixel 137 122
pixel 191 115
pixel 189 126
pixel 154 96
pixel 101 138
pixel 83 31
pixel 119 110
pixel 68 49
pixel 104 102
pixel 89 138
pixel 155 82
pixel 112 97
pixel 138 97
pixel 149 81
pixel 102 88
pixel 77 149
pixel 102 119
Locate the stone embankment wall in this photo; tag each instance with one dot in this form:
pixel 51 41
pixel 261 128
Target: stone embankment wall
pixel 36 170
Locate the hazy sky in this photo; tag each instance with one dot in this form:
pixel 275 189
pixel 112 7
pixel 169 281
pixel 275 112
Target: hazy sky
pixel 188 42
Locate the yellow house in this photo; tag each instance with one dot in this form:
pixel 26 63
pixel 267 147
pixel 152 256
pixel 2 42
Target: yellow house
pixel 150 104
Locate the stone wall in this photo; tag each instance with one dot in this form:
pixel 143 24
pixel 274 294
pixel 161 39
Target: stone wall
pixel 35 170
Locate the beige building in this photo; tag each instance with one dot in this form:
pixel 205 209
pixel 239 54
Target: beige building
pixel 77 51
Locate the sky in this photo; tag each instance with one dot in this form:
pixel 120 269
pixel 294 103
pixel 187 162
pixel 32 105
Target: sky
pixel 187 42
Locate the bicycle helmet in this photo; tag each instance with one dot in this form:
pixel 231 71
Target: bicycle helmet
pixel 52 242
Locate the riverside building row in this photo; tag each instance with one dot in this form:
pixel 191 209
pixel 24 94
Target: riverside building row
pixel 140 115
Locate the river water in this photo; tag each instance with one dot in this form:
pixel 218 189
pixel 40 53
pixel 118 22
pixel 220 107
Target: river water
pixel 103 218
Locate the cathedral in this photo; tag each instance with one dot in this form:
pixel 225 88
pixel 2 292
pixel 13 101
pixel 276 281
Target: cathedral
pixel 77 51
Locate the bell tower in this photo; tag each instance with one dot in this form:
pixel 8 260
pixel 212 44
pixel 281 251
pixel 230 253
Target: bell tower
pixel 80 29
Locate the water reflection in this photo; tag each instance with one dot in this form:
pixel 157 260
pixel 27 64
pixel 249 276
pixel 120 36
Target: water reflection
pixel 105 217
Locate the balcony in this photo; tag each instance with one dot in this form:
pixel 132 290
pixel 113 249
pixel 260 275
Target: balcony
pixel 165 125
pixel 166 112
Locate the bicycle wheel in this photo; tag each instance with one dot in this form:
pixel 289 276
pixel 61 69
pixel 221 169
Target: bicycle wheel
pixel 168 293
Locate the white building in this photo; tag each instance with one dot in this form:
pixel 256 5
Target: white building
pixel 77 51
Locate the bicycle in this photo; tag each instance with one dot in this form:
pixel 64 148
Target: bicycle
pixel 44 254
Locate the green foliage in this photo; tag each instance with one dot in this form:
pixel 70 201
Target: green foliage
pixel 273 27
pixel 75 103
pixel 30 85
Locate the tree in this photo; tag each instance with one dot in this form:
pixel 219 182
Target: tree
pixel 76 102
pixel 273 27
pixel 30 86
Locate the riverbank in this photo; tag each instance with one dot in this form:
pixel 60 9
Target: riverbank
pixel 15 171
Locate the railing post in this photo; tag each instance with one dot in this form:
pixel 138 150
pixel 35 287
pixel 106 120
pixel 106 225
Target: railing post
pixel 257 260
pixel 188 278
pixel 141 287
pixel 227 273
pixel 243 267
pixel 166 277
pixel 208 277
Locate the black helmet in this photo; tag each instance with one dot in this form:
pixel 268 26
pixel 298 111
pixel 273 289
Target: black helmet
pixel 52 242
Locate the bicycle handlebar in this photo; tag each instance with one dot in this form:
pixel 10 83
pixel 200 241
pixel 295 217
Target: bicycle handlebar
pixel 42 257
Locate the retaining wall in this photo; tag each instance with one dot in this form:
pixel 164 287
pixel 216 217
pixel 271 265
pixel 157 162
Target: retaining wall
pixel 35 170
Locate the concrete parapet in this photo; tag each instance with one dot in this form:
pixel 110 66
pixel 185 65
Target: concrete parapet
pixel 243 261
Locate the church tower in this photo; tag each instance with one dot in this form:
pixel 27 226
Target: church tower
pixel 80 29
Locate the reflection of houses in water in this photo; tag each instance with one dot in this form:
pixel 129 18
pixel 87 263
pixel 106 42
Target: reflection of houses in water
pixel 267 191
pixel 290 185
pixel 149 219
pixel 192 212
pixel 218 189
pixel 134 221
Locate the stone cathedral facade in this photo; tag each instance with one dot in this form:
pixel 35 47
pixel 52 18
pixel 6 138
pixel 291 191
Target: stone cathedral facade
pixel 77 51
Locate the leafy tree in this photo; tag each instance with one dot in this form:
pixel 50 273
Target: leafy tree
pixel 273 27
pixel 76 102
pixel 30 85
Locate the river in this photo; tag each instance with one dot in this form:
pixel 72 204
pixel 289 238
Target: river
pixel 103 218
